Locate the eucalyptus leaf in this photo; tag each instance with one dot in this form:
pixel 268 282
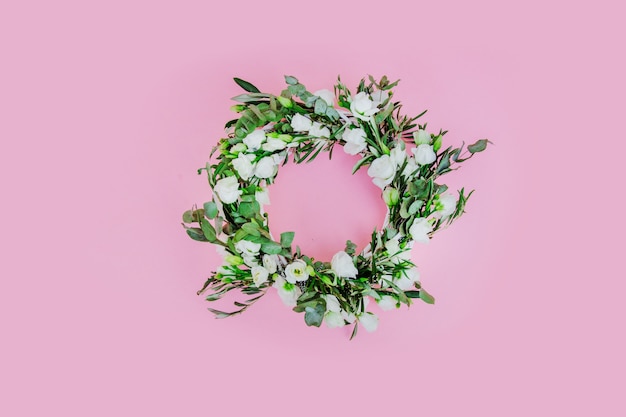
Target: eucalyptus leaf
pixel 208 230
pixel 271 248
pixel 210 209
pixel 313 316
pixel 478 146
pixel 286 238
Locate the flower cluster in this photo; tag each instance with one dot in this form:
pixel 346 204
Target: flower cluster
pixel 299 124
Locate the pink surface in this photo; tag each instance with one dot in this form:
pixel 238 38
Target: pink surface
pixel 107 109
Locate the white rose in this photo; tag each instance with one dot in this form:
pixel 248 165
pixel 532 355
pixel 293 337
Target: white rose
pixel 424 154
pixel 349 317
pixel 379 96
pixel 408 278
pixel 265 168
pixel 296 271
pixel 421 137
pixel 319 131
pixel 263 197
pixel 448 204
pixel 301 123
pixel 259 275
pixel 247 248
pixel 227 189
pixel 362 107
pixel 334 319
pixel 355 140
pixel 369 321
pixel 274 144
pixel 279 158
pixel 326 95
pixel 382 170
pixel 398 155
pixel 420 229
pixel 387 302
pixel 269 263
pixel 287 292
pixel 254 140
pixel 332 303
pixel 343 266
pixel 244 166
pixel 410 168
pixel 396 253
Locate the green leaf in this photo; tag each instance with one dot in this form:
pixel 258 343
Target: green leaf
pixel 320 106
pixel 479 146
pixel 249 209
pixel 415 206
pixel 286 238
pixel 271 248
pixel 412 294
pixel 291 80
pixel 313 316
pixel 252 229
pixel 210 209
pixel 427 298
pixel 196 234
pixel 246 85
pixel 208 230
pixel 188 216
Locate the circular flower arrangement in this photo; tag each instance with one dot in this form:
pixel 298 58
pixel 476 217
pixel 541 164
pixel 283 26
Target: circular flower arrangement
pixel 299 124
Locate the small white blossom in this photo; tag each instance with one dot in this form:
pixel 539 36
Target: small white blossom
pixel 296 271
pixel 407 279
pixel 369 321
pixel 424 154
pixel 227 189
pixel 244 166
pixel 259 275
pixel 326 95
pixel 270 263
pixel 333 320
pixel 448 205
pixel 254 140
pixel 343 265
pixel 349 317
pixel 263 197
pixel 410 168
pixel 301 123
pixel 239 147
pixel 387 302
pixel 362 106
pixel 420 229
pixel 396 253
pixel 274 144
pixel 287 292
pixel 355 140
pixel 379 97
pixel 421 137
pixel 398 155
pixel 247 248
pixel 319 131
pixel 332 303
pixel 382 170
pixel 265 168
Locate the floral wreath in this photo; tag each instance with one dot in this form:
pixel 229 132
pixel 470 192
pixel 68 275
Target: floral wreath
pixel 302 124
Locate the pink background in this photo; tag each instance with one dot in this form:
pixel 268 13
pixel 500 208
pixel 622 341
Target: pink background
pixel 107 109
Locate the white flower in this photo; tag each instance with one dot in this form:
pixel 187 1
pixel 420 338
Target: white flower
pixel 326 95
pixel 250 260
pixel 263 197
pixel 254 140
pixel 247 248
pixel 279 158
pixel 296 271
pixel 274 144
pixel 420 229
pixel 396 253
pixel 265 168
pixel 382 170
pixel 369 321
pixel 334 319
pixel 269 263
pixel 244 166
pixel 398 155
pixel 387 302
pixel 332 303
pixel 227 189
pixel 349 317
pixel 424 154
pixel 319 131
pixel 287 292
pixel 448 204
pixel 301 123
pixel 379 96
pixel 362 106
pixel 240 147
pixel 355 140
pixel 408 278
pixel 410 168
pixel 421 137
pixel 343 266
pixel 259 275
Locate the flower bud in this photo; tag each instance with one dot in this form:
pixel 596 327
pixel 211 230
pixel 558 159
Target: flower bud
pixel 234 260
pixel 284 101
pixel 238 108
pixel 391 196
pixel 421 137
pixel 437 143
pixel 236 149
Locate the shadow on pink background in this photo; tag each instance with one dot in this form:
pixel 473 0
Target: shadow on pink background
pixel 107 110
